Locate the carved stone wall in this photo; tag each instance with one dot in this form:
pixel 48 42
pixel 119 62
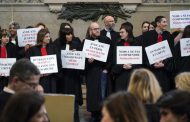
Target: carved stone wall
pixel 166 1
pixel 21 1
pixel 30 14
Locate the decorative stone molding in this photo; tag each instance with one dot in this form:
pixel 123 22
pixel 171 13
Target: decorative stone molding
pixel 130 8
pixel 56 6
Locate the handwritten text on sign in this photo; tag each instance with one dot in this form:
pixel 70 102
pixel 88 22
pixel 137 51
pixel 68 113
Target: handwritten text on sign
pixel 46 64
pixel 96 50
pixel 73 59
pixel 179 19
pixel 185 46
pixel 5 65
pixel 27 36
pixel 158 52
pixel 129 55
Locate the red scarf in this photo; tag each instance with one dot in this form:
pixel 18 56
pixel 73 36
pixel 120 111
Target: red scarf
pixel 126 44
pixel 43 51
pixel 160 38
pixel 3 52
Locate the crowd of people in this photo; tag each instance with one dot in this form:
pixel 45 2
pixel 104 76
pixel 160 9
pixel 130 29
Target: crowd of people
pixel 123 92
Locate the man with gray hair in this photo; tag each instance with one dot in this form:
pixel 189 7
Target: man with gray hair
pixel 108 30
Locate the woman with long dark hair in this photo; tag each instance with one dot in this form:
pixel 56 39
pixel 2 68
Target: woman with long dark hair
pixel 121 72
pixel 44 48
pixel 7 50
pixel 69 79
pixel 182 63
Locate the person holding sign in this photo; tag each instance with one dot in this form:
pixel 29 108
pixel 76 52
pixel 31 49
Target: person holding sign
pixel 13 27
pixel 182 62
pixel 69 79
pixel 43 48
pixel 7 50
pixel 96 74
pixel 162 69
pixel 121 72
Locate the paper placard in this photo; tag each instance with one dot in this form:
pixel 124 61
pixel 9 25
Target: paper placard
pixel 179 19
pixel 96 50
pixel 129 54
pixel 46 64
pixel 185 47
pixel 27 36
pixel 158 52
pixel 73 59
pixel 5 65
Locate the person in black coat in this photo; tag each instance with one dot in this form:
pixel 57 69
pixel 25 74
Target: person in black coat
pixel 182 63
pixel 13 27
pixel 96 73
pixel 109 31
pixel 163 70
pixel 43 48
pixel 114 36
pixel 145 28
pixel 121 72
pixel 7 50
pixel 69 79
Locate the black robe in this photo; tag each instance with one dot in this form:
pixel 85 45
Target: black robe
pixel 114 35
pixel 20 50
pixel 165 74
pixel 69 79
pixel 120 75
pixel 11 53
pixel 182 63
pixel 93 73
pixel 47 82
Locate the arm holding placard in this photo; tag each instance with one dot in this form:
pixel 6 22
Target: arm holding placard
pixel 127 66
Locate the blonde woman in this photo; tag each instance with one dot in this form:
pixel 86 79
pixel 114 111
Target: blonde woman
pixel 182 81
pixel 144 85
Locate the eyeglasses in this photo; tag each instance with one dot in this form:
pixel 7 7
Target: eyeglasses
pixel 95 29
pixel 30 84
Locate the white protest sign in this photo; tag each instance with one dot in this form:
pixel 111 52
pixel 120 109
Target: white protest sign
pixel 46 64
pixel 179 19
pixel 129 54
pixel 96 50
pixel 5 65
pixel 158 52
pixel 73 59
pixel 185 47
pixel 27 36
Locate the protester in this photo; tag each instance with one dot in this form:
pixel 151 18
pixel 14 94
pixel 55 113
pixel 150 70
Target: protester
pixel 163 69
pixel 121 72
pixel 43 48
pixel 108 31
pixel 96 74
pixel 69 79
pixel 182 63
pixel 7 50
